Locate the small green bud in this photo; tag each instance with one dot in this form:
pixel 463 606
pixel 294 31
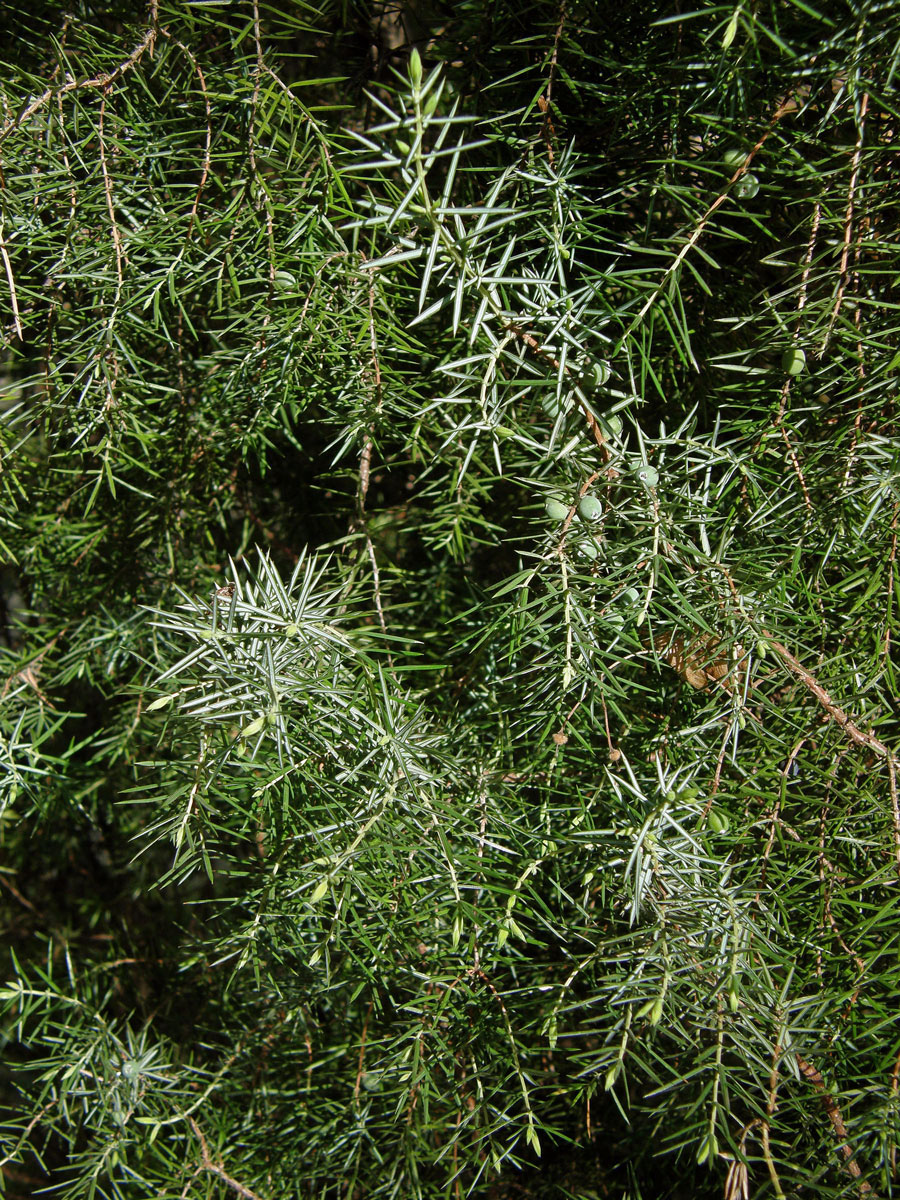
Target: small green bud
pixel 709 1148
pixel 733 157
pixel 415 70
pixel 556 510
pixel 590 508
pixel 746 187
pixel 649 476
pixel 291 630
pixel 284 281
pixel 793 361
pixel 594 376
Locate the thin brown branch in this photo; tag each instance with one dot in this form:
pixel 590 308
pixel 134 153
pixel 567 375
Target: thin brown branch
pixel 544 102
pixel 786 106
pixel 533 344
pixel 826 874
pixel 801 303
pixel 98 81
pixel 116 236
pixel 833 1112
pixel 554 56
pixel 892 561
pixel 35 1120
pixel 795 463
pixel 848 220
pixel 837 714
pixel 214 1166
pixel 207 149
pixel 258 70
pixel 895 1091
pixel 834 710
pixel 14 891
pixel 358 520
pixel 547 128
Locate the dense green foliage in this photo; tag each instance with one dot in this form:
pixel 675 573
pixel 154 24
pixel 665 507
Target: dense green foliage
pixel 448 514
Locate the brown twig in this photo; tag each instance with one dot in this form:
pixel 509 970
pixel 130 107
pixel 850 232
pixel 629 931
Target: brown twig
pixel 207 149
pixel 795 463
pixel 117 243
pixel 895 1091
pixel 544 101
pixel 214 1167
pixel 533 344
pixel 98 81
pixel 258 71
pixel 833 1113
pixel 573 508
pixel 826 871
pixel 834 710
pixel 35 1120
pixel 848 220
pixel 785 106
pixel 482 828
pixel 837 714
pixel 358 520
pixel 892 558
pixel 18 895
pixel 801 304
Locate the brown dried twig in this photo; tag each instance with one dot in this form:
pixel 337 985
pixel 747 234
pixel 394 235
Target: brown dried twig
pixel 207 149
pixel 786 106
pixel 801 303
pixel 834 710
pixel 110 203
pixel 358 520
pixel 833 1112
pixel 98 81
pixel 848 220
pixel 837 714
pixel 213 1166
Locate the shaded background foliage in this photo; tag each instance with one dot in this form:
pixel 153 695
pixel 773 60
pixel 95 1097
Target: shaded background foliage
pixel 378 817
